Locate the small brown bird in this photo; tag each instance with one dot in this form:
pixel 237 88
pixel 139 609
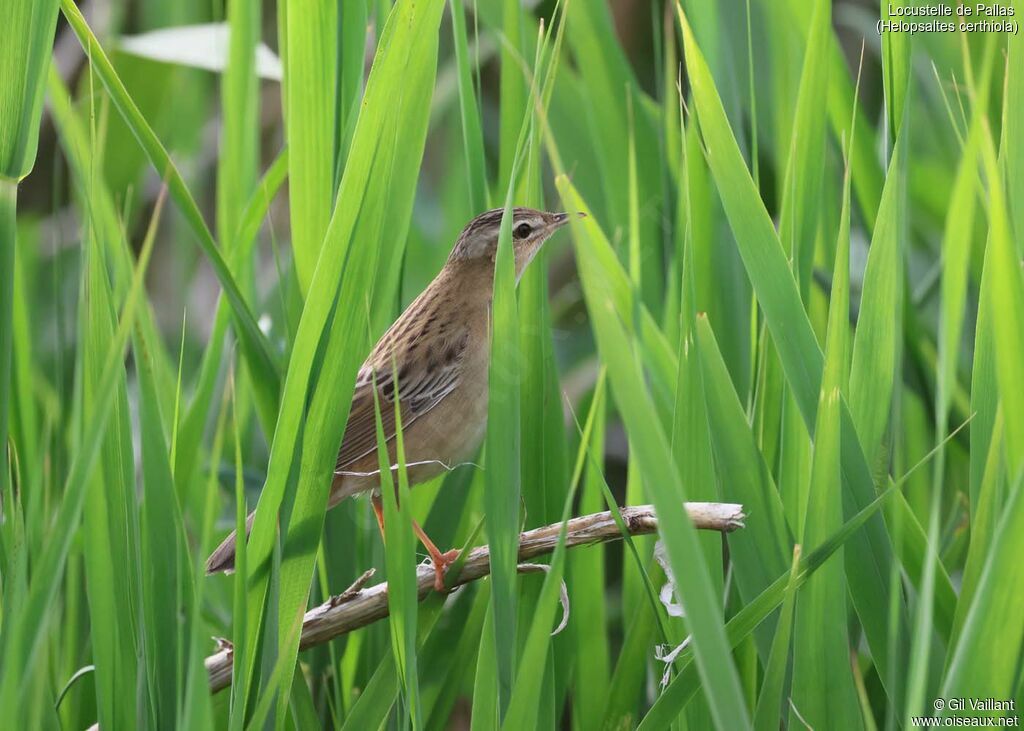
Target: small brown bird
pixel 440 350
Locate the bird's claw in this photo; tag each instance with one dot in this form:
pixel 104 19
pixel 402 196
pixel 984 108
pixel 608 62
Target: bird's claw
pixel 441 563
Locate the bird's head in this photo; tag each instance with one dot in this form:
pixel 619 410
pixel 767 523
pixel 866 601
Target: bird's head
pixel 478 241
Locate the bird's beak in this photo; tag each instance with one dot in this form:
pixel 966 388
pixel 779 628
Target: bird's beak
pixel 560 219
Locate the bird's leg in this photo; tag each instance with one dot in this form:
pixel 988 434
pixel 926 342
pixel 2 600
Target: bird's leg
pixel 378 511
pixel 440 560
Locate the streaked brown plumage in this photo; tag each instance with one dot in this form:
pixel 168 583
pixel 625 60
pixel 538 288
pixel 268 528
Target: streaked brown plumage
pixel 439 348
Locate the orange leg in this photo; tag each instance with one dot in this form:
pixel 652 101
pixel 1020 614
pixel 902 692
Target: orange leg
pixel 378 510
pixel 440 560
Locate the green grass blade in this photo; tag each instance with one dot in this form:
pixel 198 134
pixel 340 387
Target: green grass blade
pixel 802 184
pixel 239 151
pixel 956 246
pixel 984 664
pixel 8 243
pixel 24 60
pixel 895 71
pixel 352 61
pixel 197 414
pixel 388 137
pixel 526 701
pixel 704 613
pixel 485 683
pixel 769 699
pixel 22 632
pixel 984 389
pixel 958 233
pixel 310 88
pixel 403 601
pixel 526 697
pixel 1007 299
pixel 759 551
pixel 163 547
pixel 254 344
pixel 241 648
pixel 469 113
pixel 110 519
pixel 690 441
pixel 823 687
pixel 502 478
pixel 587 590
pixel 798 350
pixel 1012 148
pixel 878 337
pixel 983 525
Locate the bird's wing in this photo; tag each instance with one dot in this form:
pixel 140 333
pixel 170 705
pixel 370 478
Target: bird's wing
pixel 425 378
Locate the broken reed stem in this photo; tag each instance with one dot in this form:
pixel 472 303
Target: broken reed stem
pixel 357 607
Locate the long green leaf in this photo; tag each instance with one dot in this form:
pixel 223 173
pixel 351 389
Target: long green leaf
pixel 310 86
pixel 469 113
pixel 239 152
pixel 254 344
pixel 984 663
pixel 876 343
pixel 24 60
pixel 163 542
pixel 801 185
pixel 403 601
pixel 502 479
pixel 798 350
pixel 388 136
pixel 769 700
pixel 22 631
pixel 704 612
pixel 823 688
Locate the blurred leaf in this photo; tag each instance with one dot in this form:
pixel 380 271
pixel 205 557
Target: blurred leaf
pixel 1007 299
pixel 24 59
pixel 205 46
pixel 896 48
pixel 254 344
pixel 110 517
pixel 469 112
pixel 1012 149
pixel 21 631
pixel 984 663
pixel 239 150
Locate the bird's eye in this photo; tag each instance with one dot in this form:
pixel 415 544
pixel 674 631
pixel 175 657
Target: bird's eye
pixel 522 231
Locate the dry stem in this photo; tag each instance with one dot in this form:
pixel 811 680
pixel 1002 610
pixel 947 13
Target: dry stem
pixel 357 607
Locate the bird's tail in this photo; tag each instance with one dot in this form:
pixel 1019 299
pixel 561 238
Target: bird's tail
pixel 223 559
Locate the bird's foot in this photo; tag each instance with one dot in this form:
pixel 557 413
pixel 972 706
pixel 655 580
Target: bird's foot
pixel 441 563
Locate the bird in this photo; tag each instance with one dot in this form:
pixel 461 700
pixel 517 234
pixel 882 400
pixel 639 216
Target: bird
pixel 435 359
